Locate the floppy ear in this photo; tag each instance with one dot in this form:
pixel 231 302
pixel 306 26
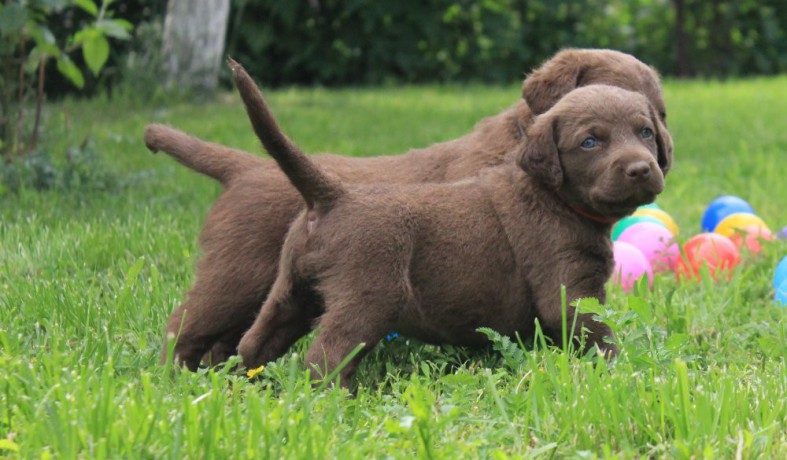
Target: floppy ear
pixel 554 79
pixel 539 155
pixel 663 142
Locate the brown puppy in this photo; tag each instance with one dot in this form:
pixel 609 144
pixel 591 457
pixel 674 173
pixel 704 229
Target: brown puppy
pixel 244 231
pixel 438 261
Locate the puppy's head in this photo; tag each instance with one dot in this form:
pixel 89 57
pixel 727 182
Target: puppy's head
pixel 574 68
pixel 600 148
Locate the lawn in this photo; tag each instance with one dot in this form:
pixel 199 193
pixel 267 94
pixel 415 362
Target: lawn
pixel 88 278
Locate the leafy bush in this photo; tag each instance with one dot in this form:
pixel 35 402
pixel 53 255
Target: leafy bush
pixel 27 43
pixel 78 168
pixel 141 66
pixel 339 42
pixel 371 42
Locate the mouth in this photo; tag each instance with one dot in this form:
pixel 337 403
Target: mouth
pixel 614 199
pixel 623 207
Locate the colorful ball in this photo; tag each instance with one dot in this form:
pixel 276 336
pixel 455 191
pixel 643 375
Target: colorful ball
pixel 627 222
pixel 655 242
pixel 781 294
pixel 665 218
pixel 780 275
pixel 739 220
pixel 630 265
pixel 722 207
pixel 649 206
pixel 715 251
pixel 751 237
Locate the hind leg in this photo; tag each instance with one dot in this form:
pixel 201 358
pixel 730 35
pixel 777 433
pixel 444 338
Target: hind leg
pixel 363 303
pixel 242 242
pixel 196 325
pixel 218 308
pixel 339 335
pixel 224 348
pixel 354 315
pixel 287 315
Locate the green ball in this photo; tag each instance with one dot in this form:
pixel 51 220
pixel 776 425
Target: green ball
pixel 627 222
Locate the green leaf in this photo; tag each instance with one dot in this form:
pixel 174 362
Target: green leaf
pixel 589 305
pixel 45 49
pixel 512 354
pixel 542 450
pixel 115 28
pixel 12 19
pixel 86 34
pixel 96 51
pixel 89 6
pixel 41 51
pixel 641 308
pixel 676 341
pixel 66 67
pixel 7 444
pixel 34 58
pixel 40 34
pixel 124 24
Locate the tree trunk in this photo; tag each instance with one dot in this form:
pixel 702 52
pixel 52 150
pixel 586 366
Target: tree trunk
pixel 193 42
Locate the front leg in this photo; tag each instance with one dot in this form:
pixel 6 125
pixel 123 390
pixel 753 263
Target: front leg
pixel 581 280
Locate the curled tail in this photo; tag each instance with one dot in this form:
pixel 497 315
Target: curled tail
pixel 316 187
pixel 213 160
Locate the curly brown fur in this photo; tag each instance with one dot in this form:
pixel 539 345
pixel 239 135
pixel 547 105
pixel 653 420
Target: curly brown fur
pixel 244 231
pixel 438 261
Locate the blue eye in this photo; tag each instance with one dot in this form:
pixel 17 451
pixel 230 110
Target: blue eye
pixel 646 133
pixel 589 143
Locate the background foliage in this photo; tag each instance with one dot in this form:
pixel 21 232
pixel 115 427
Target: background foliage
pixel 67 19
pixel 352 42
pixel 336 42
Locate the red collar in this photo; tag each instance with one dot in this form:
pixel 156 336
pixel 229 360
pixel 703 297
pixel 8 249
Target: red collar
pixel 593 216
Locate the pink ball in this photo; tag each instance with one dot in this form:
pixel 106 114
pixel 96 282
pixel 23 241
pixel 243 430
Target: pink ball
pixel 655 242
pixel 630 265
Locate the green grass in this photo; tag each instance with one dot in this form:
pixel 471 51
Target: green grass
pixel 87 280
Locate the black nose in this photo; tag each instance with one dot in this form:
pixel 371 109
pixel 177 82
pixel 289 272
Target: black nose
pixel 638 170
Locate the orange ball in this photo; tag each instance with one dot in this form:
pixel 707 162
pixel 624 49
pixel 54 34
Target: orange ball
pixel 715 251
pixel 752 237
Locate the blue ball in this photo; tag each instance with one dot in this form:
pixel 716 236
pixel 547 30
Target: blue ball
pixel 781 294
pixel 722 207
pixel 780 275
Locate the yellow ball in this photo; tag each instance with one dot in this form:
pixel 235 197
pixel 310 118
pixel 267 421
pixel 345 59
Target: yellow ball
pixel 665 218
pixel 739 221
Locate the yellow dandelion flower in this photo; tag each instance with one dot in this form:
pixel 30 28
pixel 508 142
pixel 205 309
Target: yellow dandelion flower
pixel 253 372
